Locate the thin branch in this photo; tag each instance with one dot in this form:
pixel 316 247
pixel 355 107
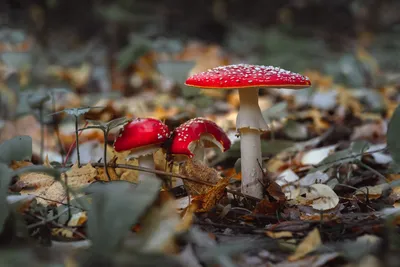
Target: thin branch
pixel 143 169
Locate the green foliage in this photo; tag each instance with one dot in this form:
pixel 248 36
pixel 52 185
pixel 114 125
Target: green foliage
pixel 393 136
pixel 18 148
pixel 116 206
pixel 5 178
pixel 353 153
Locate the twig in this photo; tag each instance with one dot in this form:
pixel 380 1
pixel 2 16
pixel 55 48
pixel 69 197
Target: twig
pixel 138 168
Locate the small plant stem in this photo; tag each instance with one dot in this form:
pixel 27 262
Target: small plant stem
pixel 77 141
pixel 56 128
pixel 105 155
pixel 70 149
pixel 41 133
pixel 68 197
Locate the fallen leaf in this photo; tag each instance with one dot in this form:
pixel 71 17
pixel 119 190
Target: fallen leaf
pixel 319 197
pixel 309 244
pixel 315 156
pixel 199 171
pixel 50 191
pixel 373 192
pixel 281 234
pixel 266 207
pixel 209 199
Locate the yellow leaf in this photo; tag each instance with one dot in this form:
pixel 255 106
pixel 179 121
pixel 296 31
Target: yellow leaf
pixel 209 199
pixel 309 244
pixel 276 235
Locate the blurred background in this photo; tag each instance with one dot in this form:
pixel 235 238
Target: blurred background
pixel 131 57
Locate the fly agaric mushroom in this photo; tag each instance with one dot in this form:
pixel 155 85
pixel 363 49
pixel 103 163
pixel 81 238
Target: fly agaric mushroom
pixel 142 137
pixel 192 137
pixel 249 122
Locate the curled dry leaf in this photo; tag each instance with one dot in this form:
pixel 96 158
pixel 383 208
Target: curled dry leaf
pixel 275 191
pixel 319 197
pixel 208 200
pixel 198 170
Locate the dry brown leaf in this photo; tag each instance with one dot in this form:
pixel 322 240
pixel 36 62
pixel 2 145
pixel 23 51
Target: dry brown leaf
pixel 53 192
pixel 209 199
pixel 266 207
pixel 276 192
pixel 309 244
pixel 199 171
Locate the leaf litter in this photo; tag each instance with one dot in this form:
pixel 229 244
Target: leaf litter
pixel 330 164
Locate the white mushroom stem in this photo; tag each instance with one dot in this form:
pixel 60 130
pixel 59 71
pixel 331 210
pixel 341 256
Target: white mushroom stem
pixel 250 125
pixel 146 161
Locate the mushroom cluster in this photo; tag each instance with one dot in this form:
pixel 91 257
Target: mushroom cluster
pixel 144 136
pixel 248 79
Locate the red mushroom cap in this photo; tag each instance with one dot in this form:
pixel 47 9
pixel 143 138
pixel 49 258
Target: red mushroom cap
pixel 247 76
pixel 140 133
pixel 188 134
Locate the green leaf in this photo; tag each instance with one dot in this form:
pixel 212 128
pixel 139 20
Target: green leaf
pixel 393 135
pixel 354 152
pixel 116 206
pixel 18 148
pixel 5 178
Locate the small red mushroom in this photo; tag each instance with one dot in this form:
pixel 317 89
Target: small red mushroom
pixel 192 137
pixel 142 137
pixel 249 122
